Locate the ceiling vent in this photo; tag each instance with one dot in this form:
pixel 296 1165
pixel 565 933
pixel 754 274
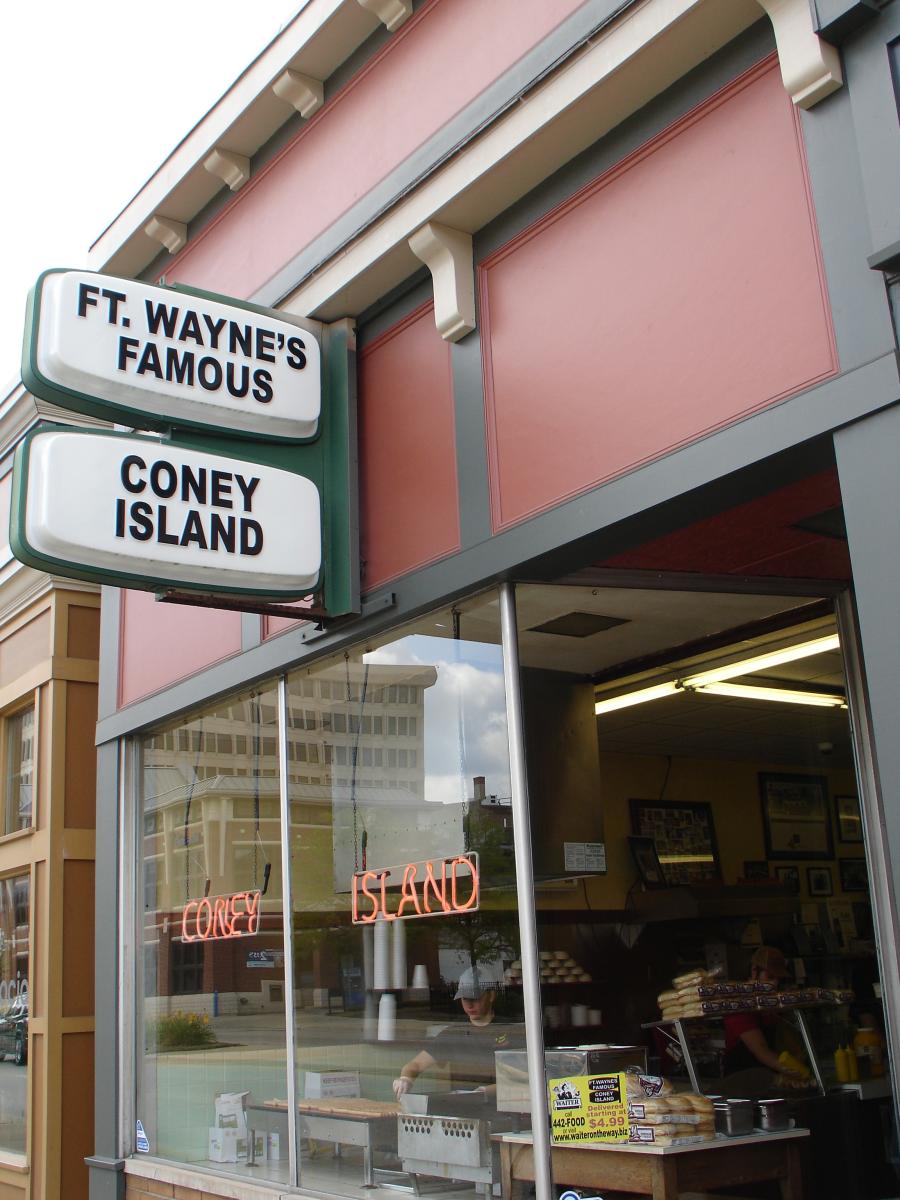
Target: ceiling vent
pixel 578 624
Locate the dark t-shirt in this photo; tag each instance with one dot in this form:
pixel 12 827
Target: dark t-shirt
pixel 469 1050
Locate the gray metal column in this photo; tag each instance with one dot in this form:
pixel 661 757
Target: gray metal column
pixel 534 1024
pixel 881 884
pixel 105 1166
pixel 287 906
pixel 867 454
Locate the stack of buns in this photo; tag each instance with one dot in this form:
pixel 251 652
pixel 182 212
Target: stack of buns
pixel 558 966
pixel 671 1120
pixel 683 998
pixel 698 994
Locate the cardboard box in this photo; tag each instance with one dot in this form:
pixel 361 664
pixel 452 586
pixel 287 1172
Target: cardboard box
pixel 231 1113
pixel 226 1145
pixel 328 1084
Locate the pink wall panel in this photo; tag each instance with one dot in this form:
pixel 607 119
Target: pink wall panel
pixel 679 292
pixel 379 118
pixel 409 513
pixel 162 643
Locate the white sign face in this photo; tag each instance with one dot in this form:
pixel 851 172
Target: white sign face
pixel 170 356
pixel 144 509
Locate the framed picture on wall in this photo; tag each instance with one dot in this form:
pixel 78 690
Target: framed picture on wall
pixel 819 882
pixel 849 821
pixel 796 818
pixel 789 877
pixel 854 876
pixel 756 869
pixel 684 836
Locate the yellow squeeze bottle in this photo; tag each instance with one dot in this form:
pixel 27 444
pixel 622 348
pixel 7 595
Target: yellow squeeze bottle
pixel 790 1063
pixel 842 1065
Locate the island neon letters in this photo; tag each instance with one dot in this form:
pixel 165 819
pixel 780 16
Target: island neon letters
pixel 214 918
pixel 432 888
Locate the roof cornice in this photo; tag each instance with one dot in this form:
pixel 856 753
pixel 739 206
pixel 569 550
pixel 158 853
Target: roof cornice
pixel 314 44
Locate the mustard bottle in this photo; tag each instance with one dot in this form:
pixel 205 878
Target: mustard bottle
pixel 869 1050
pixel 842 1065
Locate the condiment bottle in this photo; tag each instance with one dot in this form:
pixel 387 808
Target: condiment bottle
pixel 853 1065
pixel 869 1050
pixel 842 1065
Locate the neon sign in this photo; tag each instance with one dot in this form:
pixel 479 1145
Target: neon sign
pixel 214 918
pixel 432 888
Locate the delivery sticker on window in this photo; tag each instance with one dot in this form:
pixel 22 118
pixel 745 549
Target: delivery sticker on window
pixel 141 1141
pixel 587 1109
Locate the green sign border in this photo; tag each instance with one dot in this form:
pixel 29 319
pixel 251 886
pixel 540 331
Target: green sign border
pixel 330 463
pixel 109 410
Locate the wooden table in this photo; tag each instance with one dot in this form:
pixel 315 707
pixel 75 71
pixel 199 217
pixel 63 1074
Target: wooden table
pixel 663 1172
pixel 353 1121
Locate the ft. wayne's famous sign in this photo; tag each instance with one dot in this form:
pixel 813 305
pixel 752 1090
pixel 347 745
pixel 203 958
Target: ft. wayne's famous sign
pixel 195 509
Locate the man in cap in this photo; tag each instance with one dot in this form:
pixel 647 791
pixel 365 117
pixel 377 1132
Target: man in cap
pixel 747 1040
pixel 468 1049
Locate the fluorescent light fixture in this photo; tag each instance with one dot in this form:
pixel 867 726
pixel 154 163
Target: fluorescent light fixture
pixel 762 662
pixel 747 691
pixel 712 681
pixel 666 859
pixel 640 697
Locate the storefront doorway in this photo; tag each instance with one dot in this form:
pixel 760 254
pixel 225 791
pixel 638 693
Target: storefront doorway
pixel 702 886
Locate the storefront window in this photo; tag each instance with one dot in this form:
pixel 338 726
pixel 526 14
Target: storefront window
pixel 407 981
pixel 703 909
pixel 407 977
pixel 14 936
pixel 213 1017
pixel 19 730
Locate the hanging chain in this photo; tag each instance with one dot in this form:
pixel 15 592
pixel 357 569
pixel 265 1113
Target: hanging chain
pixel 352 777
pixel 255 703
pixel 461 728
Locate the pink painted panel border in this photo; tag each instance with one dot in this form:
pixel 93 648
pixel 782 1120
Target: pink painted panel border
pixel 408 525
pixel 383 114
pixel 508 451
pixel 160 644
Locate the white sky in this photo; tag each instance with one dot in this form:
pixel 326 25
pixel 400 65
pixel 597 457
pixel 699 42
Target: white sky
pixel 93 96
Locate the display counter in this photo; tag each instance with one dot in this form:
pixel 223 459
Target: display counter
pixel 663 1172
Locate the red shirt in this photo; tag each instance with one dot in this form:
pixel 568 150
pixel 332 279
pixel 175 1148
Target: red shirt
pixel 740 1023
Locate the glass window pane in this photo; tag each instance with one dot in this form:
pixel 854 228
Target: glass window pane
pixel 416 1006
pixel 14 931
pixel 212 1036
pixel 19 770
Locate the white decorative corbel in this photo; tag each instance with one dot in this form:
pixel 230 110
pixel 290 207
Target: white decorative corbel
pixel 810 67
pixel 231 168
pixel 391 13
pixel 172 234
pixel 302 91
pixel 447 253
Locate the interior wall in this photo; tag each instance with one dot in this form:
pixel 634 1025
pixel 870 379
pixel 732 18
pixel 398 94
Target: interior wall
pixel 730 788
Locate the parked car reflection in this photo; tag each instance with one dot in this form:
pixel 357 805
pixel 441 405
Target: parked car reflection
pixel 14 1031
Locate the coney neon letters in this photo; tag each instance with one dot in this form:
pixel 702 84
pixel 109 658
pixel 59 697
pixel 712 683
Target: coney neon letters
pixel 213 918
pixel 433 888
